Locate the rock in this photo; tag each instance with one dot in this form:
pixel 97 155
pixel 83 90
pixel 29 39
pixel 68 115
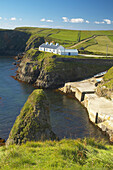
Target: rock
pixel 27 72
pixel 14 63
pixel 2 142
pixel 33 123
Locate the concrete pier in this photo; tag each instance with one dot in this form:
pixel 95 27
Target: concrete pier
pixel 100 109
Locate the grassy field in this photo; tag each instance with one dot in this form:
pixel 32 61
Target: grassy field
pixel 52 155
pixel 69 35
pixel 87 43
pixel 102 41
pixel 67 38
pixel 110 37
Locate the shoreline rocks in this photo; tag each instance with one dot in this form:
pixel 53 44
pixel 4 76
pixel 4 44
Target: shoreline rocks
pixel 2 142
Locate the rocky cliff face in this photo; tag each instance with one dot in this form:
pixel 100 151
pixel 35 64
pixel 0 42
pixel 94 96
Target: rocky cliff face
pixel 28 72
pixel 12 42
pixel 33 123
pixel 46 70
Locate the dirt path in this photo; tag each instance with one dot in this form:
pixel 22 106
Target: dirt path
pixel 94 36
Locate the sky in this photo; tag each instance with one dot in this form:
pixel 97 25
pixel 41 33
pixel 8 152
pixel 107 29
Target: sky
pixel 64 14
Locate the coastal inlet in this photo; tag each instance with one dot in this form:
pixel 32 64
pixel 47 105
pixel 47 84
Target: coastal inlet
pixel 68 118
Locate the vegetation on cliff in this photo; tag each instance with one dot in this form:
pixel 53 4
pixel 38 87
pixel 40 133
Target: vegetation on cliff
pixel 105 88
pixel 12 42
pixel 64 154
pixel 33 123
pixel 47 70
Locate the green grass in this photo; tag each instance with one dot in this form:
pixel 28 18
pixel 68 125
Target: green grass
pixel 68 38
pixel 108 32
pixel 51 155
pixel 86 44
pixel 69 35
pixel 110 37
pixel 108 79
pixel 85 34
pixel 101 46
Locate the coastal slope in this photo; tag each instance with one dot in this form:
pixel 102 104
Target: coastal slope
pixel 47 70
pixel 33 123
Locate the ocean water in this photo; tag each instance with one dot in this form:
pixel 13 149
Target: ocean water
pixel 69 119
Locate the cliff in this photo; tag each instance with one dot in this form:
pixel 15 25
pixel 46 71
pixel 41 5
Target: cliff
pixel 46 70
pixel 33 123
pixel 12 42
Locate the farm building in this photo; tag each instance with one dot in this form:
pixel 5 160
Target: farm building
pixel 57 49
pixel 68 52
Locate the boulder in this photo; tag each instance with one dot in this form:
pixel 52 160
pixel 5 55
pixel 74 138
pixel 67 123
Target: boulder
pixel 33 123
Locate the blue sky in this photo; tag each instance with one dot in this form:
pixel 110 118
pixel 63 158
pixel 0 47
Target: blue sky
pixel 68 14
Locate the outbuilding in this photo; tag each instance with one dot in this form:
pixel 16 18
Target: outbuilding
pixel 57 49
pixel 68 52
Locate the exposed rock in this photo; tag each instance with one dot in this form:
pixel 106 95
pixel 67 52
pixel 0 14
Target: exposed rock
pixel 33 123
pixel 13 42
pixel 14 63
pixel 27 72
pixel 2 142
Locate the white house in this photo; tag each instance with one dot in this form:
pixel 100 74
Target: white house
pixel 57 49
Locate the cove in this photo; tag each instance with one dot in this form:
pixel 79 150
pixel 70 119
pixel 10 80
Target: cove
pixel 68 118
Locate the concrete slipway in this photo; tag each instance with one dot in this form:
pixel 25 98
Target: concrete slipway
pixel 100 109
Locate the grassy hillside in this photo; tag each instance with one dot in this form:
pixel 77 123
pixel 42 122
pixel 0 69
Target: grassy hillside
pixel 68 38
pixel 108 79
pixel 64 154
pixel 102 42
pixel 111 37
pixel 105 88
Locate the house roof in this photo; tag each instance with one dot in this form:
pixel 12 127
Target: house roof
pixel 49 46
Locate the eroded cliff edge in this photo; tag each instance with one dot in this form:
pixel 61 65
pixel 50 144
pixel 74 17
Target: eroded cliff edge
pixel 47 70
pixel 33 123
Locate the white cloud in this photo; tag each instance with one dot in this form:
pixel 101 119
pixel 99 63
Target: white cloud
pixel 49 20
pixel 42 20
pixel 0 18
pixel 13 19
pixel 65 19
pixel 87 22
pixel 108 21
pixel 5 19
pixel 77 20
pixel 97 22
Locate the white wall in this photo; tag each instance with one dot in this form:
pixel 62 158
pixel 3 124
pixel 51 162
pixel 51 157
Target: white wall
pixel 41 48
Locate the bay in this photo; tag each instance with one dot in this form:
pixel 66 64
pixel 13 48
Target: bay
pixel 69 119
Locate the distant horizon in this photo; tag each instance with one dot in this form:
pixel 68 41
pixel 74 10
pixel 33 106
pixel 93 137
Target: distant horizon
pixel 55 28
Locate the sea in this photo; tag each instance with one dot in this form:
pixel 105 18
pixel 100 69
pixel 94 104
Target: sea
pixel 69 119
